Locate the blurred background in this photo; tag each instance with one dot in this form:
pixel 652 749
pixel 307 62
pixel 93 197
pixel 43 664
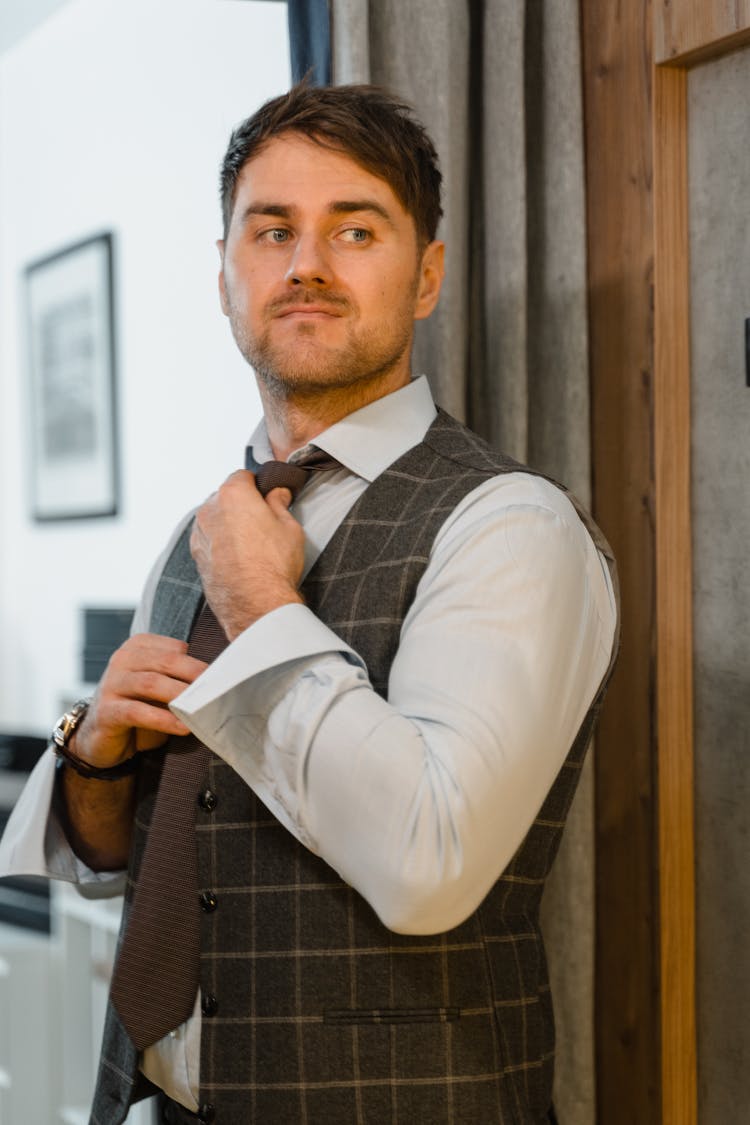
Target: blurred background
pixel 595 322
pixel 114 118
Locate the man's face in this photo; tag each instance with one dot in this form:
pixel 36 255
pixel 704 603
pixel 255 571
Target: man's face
pixel 322 277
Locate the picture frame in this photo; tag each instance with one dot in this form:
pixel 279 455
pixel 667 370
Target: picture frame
pixel 72 385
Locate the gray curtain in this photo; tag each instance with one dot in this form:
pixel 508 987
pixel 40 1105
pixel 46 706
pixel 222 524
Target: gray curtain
pixel 498 85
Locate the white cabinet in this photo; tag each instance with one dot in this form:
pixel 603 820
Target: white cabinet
pixel 53 997
pixel 87 933
pixel 29 1028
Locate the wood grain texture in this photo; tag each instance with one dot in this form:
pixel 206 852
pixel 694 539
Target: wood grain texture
pixel 674 598
pixel 639 338
pixel 617 91
pixel 682 28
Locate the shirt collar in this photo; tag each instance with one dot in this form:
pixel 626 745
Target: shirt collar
pixel 370 439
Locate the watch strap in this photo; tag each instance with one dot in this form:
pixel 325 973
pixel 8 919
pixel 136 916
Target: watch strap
pixel 61 737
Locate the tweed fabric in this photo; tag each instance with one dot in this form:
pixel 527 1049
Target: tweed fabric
pixel 320 1014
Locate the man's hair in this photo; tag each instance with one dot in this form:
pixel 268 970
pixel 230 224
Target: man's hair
pixel 363 122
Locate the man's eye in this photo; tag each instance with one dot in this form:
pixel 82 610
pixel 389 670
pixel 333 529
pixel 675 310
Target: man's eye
pixel 356 234
pixel 276 234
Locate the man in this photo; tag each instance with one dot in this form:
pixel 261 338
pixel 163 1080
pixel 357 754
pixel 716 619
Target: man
pixel 416 648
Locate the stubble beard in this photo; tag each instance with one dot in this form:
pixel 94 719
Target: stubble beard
pixel 307 369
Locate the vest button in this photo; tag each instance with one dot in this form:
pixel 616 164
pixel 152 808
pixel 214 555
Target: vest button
pixel 209 1004
pixel 208 800
pixel 209 902
pixel 207 1112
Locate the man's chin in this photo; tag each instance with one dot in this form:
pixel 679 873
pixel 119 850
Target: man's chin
pixel 308 368
pixel 288 381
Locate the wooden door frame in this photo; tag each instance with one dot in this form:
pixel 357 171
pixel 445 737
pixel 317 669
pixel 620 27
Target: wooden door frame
pixel 686 33
pixel 674 598
pixel 636 57
pixel 617 62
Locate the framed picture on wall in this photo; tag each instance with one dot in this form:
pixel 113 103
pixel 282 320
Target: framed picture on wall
pixel 74 464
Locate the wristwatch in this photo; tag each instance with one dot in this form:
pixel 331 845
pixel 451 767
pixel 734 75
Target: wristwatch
pixel 64 730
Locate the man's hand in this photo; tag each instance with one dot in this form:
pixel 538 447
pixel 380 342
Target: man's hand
pixel 249 552
pixel 129 712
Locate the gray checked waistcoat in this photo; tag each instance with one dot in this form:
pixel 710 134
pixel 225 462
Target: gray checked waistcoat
pixel 314 1012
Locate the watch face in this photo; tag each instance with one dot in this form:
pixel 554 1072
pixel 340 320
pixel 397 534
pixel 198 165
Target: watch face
pixel 68 722
pixel 60 733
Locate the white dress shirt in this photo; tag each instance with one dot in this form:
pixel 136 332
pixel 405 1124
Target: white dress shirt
pixel 418 801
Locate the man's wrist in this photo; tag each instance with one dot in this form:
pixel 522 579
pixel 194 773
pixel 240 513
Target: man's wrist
pixel 64 738
pixel 237 622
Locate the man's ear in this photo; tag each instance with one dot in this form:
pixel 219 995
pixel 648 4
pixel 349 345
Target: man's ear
pixel 222 282
pixel 431 274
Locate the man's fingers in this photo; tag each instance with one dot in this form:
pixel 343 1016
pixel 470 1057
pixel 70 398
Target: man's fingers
pixel 241 476
pixel 240 486
pixel 155 642
pixel 146 740
pixel 143 676
pixel 145 653
pixel 279 500
pixel 124 714
pixel 150 687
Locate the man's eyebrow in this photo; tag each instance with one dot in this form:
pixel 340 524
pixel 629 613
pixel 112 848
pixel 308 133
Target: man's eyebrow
pixel 339 207
pixel 351 206
pixel 280 210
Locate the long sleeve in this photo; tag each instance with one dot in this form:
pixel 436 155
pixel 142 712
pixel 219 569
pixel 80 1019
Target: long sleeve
pixel 34 841
pixel 420 800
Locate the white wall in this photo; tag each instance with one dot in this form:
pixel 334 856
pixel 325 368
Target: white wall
pixel 115 115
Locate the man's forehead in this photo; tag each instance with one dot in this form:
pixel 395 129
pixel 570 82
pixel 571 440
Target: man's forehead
pixel 287 162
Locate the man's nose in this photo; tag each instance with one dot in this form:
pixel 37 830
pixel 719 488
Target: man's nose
pixel 309 264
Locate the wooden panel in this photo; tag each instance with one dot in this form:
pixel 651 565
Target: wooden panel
pixel 617 91
pixel 674 597
pixel 684 29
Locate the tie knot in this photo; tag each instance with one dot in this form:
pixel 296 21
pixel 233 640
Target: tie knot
pixel 293 474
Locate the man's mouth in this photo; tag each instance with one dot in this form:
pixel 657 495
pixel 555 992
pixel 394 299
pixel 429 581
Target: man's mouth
pixel 310 305
pixel 308 311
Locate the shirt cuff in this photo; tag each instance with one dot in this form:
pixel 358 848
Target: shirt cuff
pixel 34 842
pixel 287 634
pixel 229 705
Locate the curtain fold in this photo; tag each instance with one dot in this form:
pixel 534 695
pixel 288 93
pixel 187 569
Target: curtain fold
pixel 498 85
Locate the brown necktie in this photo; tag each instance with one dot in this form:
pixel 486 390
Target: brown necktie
pixel 156 975
pixel 293 474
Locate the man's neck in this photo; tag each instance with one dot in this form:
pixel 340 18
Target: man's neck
pixel 296 419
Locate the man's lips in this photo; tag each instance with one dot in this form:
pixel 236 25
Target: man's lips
pixel 303 304
pixel 308 310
